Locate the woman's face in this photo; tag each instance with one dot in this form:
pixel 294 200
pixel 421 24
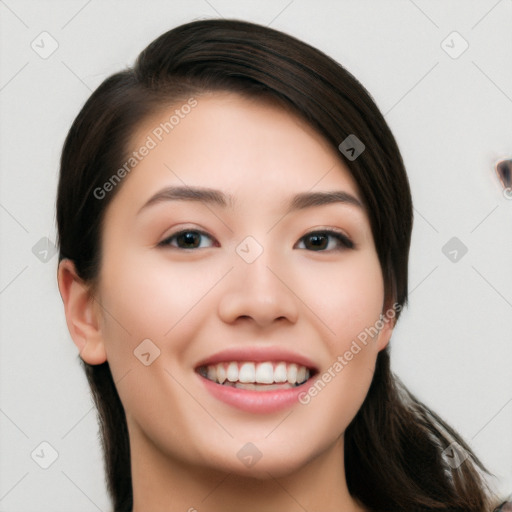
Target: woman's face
pixel 237 250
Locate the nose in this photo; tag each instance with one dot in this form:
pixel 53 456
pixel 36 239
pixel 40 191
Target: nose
pixel 258 293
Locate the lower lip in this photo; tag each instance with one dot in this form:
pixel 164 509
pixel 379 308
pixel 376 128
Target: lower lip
pixel 255 401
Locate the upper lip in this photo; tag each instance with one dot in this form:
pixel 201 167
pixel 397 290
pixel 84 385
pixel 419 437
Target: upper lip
pixel 257 354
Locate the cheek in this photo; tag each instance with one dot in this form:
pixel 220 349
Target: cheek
pixel 166 304
pixel 346 296
pixel 349 307
pixel 150 296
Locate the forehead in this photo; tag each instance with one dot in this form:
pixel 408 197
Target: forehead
pixel 240 144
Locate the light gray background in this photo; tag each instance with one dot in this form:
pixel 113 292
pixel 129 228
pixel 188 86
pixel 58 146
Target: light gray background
pixel 452 118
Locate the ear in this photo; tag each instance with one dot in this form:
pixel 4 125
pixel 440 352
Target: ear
pixel 82 314
pixel 388 319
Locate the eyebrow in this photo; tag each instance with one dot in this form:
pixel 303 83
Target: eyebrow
pixel 211 196
pixel 199 194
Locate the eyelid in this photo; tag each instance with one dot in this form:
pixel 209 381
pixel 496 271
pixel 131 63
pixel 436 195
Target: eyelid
pixel 165 241
pixel 345 240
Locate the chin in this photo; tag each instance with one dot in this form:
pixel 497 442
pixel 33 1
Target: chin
pixel 263 461
pixel 274 467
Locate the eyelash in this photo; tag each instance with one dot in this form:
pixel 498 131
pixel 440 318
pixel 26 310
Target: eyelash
pixel 343 240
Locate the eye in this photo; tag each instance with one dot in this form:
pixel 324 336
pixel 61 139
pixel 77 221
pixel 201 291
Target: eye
pixel 188 239
pixel 325 240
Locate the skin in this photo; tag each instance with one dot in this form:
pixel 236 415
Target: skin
pixel 192 303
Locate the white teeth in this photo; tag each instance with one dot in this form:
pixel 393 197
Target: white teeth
pixel 211 373
pixel 256 387
pixel 221 373
pixel 264 373
pixel 280 374
pixel 301 374
pixel 249 373
pixel 232 373
pixel 292 373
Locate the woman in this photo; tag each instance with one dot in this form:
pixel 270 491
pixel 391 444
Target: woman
pixel 234 223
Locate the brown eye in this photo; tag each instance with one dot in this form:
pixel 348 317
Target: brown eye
pixel 187 239
pixel 325 240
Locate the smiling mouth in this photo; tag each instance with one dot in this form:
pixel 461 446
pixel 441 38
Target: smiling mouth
pixel 264 376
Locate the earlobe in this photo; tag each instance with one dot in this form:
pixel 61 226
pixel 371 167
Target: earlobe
pixel 388 324
pixel 82 315
pixel 385 334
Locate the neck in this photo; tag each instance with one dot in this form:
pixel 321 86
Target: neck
pixel 163 484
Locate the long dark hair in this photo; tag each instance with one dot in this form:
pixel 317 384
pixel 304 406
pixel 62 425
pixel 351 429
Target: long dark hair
pixel 394 446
